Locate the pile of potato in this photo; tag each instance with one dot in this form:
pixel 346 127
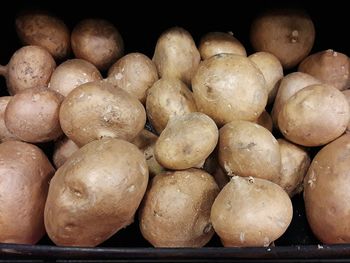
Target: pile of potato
pixel 231 143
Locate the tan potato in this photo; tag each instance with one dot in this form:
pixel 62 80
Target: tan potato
pixel 166 99
pixel 32 115
pixel 287 33
pixel 95 193
pixel 176 55
pixel 29 67
pixel 146 142
pixel 186 141
pixel 64 148
pixel 25 173
pixel 213 167
pixel 251 212
pixel 229 87
pixel 214 43
pixel 42 29
pixel 272 70
pixel 295 162
pixel 176 209
pixel 265 120
pixel 71 74
pixel 347 96
pixel 314 116
pixel 5 134
pixel 97 41
pixel 134 73
pixel 290 85
pixel 326 192
pixel 97 110
pixel 329 66
pixel 248 149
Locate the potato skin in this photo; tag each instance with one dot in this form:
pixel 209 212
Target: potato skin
pixel 347 96
pixel 95 193
pixel 326 191
pixel 97 110
pixel 265 120
pixel 47 31
pixel 251 212
pixel 5 134
pixel 176 209
pixel 25 173
pixel 229 87
pixel 63 149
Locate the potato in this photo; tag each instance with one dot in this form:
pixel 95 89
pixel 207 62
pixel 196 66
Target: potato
pixel 25 173
pixel 44 30
pixel 295 162
pixel 97 41
pixel 272 70
pixel 214 43
pixel 314 116
pixel 288 86
pixel 146 142
pixel 213 167
pixel 248 149
pixel 229 87
pixel 5 134
pixel 97 110
pixel 29 67
pixel 265 120
pixel 134 73
pixel 32 115
pixel 63 149
pixel 251 212
pixel 167 98
pixel 176 209
pixel 330 67
pixel 326 192
pixel 186 141
pixel 286 33
pixel 176 55
pixel 71 74
pixel 347 96
pixel 95 193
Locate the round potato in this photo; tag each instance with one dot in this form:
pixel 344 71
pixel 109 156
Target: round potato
pixel 97 110
pixel 214 43
pixel 25 173
pixel 314 116
pixel 176 209
pixel 63 149
pixel 167 98
pixel 95 193
pixel 229 87
pixel 186 141
pixel 251 212
pixel 5 134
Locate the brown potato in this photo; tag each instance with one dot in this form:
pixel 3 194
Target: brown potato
pixel 250 212
pixel 314 116
pixel 176 55
pixel 326 192
pixel 97 110
pixel 186 141
pixel 97 41
pixel 329 66
pixel 272 70
pixel 64 148
pixel 29 67
pixel 71 74
pixel 229 87
pixel 167 98
pixel 134 73
pixel 5 134
pixel 214 43
pixel 44 30
pixel 347 96
pixel 288 34
pixel 295 162
pixel 32 115
pixel 265 120
pixel 248 149
pixel 25 173
pixel 95 193
pixel 176 209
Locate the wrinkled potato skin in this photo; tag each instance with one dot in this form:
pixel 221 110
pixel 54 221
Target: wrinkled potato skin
pixel 25 173
pixel 95 193
pixel 176 209
pixel 5 134
pixel 63 149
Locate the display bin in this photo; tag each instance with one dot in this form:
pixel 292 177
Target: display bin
pixel 140 24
